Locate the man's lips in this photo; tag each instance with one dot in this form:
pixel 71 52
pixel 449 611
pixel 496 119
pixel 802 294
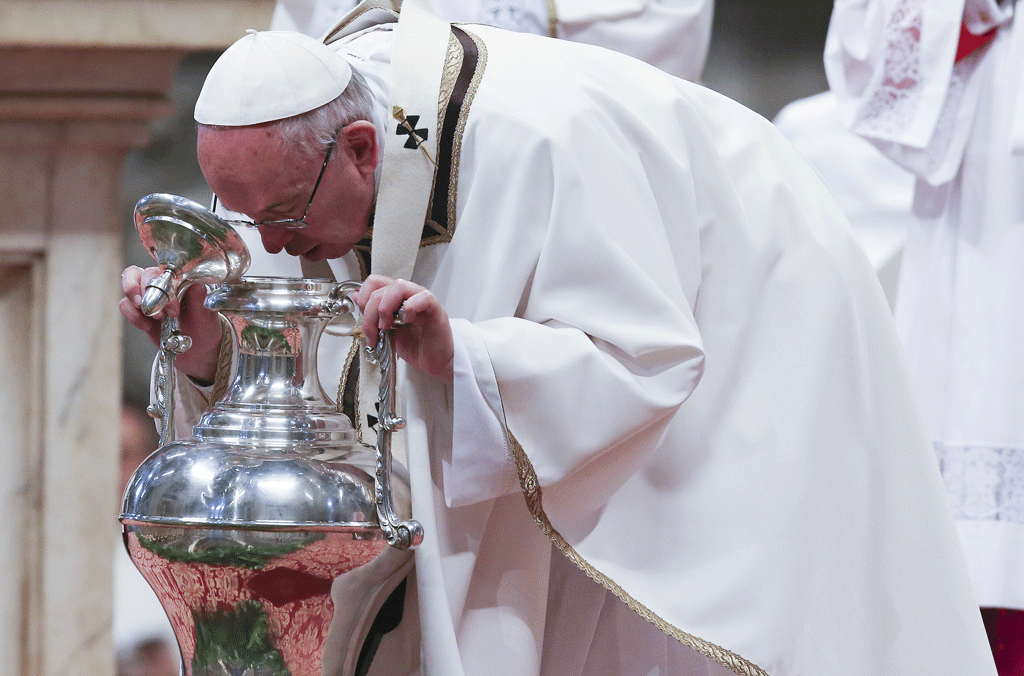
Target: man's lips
pixel 294 248
pixel 313 254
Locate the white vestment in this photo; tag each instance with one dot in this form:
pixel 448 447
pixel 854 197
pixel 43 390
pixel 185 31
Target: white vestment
pixel 959 127
pixel 676 375
pixel 671 34
pixel 874 193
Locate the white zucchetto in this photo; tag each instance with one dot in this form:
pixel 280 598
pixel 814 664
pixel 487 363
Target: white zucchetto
pixel 270 75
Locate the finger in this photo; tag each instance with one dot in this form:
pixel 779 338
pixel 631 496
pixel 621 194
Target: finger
pixel 131 283
pixel 134 316
pixel 148 274
pixel 420 303
pixel 369 285
pixel 129 276
pixel 390 301
pixel 134 276
pixel 369 309
pixel 382 304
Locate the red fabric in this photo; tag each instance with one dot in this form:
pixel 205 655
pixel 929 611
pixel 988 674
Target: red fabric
pixel 1005 629
pixel 970 43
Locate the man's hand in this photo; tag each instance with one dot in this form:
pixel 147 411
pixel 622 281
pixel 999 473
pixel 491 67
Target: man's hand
pixel 201 325
pixel 425 339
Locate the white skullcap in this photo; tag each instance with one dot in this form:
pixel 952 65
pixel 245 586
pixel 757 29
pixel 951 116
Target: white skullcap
pixel 270 75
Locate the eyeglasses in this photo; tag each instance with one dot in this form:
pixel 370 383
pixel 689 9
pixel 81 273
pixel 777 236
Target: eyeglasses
pixel 288 223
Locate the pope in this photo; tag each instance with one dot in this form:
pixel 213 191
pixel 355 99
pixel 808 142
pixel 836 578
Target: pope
pixel 659 421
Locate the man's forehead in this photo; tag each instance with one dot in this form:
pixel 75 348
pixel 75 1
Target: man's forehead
pixel 249 169
pixel 254 141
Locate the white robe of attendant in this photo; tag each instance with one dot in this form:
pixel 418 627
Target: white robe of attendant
pixel 960 129
pixel 874 193
pixel 661 318
pixel 671 34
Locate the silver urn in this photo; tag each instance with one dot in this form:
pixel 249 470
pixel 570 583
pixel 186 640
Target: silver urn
pixel 273 536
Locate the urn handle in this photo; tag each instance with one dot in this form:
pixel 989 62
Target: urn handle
pixel 172 343
pixel 401 534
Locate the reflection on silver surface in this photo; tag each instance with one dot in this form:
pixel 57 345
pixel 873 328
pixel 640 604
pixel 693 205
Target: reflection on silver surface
pixel 191 244
pixel 276 400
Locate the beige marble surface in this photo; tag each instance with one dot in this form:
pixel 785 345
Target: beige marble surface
pixel 19 327
pixel 192 24
pixel 60 344
pixel 81 84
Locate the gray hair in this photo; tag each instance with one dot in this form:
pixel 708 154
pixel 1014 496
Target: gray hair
pixel 311 132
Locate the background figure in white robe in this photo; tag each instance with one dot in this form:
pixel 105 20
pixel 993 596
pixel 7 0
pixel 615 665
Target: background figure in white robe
pixel 875 194
pixel 659 421
pixel 671 34
pixel 938 87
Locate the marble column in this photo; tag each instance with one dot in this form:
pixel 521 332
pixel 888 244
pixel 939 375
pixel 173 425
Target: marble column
pixel 68 117
pixel 80 84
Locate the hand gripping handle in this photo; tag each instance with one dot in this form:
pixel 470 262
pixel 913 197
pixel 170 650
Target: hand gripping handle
pixel 402 534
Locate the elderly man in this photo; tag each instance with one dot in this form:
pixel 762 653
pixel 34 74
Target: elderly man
pixel 659 422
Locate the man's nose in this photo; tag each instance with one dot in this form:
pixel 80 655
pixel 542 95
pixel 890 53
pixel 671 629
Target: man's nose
pixel 274 238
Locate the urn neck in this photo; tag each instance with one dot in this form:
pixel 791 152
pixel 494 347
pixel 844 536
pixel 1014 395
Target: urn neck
pixel 276 399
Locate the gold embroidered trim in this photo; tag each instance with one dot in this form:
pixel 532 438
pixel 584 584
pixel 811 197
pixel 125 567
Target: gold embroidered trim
pixel 452 64
pixel 449 78
pixel 460 129
pixel 339 402
pixel 552 19
pixel 454 70
pixel 225 361
pixel 532 493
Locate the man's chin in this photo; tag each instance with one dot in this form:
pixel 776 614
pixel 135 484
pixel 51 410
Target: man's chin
pixel 323 251
pixel 316 253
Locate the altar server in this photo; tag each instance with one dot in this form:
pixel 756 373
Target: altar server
pixel 939 88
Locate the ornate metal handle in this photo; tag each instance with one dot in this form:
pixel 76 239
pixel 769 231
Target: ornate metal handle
pixel 172 343
pixel 399 534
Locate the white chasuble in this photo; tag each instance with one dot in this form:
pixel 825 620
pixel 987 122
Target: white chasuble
pixel 705 403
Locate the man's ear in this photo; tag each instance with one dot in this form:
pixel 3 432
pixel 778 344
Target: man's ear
pixel 360 142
